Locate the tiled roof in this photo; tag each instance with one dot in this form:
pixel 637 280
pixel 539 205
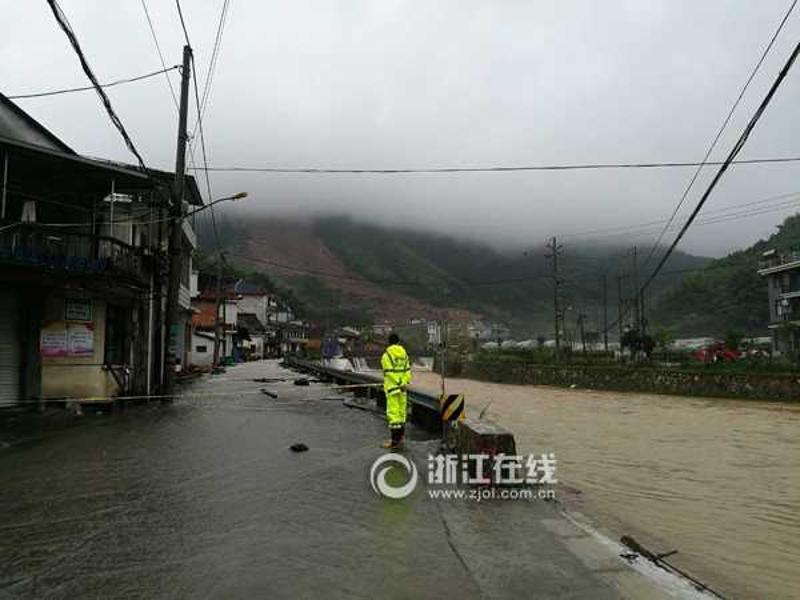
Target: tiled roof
pixel 249 322
pixel 248 288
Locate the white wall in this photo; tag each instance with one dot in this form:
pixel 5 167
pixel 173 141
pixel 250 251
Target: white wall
pixel 256 305
pixel 201 359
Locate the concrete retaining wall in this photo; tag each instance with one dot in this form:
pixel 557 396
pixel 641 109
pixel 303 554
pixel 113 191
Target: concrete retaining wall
pixel 658 381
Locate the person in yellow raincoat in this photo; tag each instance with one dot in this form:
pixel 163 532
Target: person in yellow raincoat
pixel 396 378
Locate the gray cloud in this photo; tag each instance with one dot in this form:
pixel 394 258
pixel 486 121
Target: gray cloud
pixel 388 84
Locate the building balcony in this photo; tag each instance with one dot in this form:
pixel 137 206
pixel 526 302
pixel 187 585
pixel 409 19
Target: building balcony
pixel 58 251
pixel 772 262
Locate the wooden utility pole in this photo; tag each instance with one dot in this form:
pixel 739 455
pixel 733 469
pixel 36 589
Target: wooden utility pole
pixel 443 334
pixel 176 231
pixel 620 309
pixel 605 312
pixel 642 318
pixel 555 250
pixel 635 279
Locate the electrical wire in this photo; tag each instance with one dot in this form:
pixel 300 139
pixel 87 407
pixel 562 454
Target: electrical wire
pixel 649 227
pixel 183 23
pixel 212 65
pixel 728 161
pixel 160 54
pixel 115 120
pixel 498 168
pixel 205 163
pixel 387 282
pixel 719 132
pixel 631 231
pixel 157 45
pixel 90 87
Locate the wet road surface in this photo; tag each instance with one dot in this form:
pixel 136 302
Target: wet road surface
pixel 203 499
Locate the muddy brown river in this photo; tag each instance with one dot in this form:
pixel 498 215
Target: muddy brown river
pixel 718 480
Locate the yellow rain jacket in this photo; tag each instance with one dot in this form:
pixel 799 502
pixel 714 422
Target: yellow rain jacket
pixel 396 377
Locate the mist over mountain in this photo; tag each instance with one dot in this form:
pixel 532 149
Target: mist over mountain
pixel 348 270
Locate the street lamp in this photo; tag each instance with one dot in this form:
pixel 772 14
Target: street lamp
pixel 237 196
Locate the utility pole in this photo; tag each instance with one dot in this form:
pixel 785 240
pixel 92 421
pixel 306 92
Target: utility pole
pixel 555 250
pixel 605 312
pixel 642 318
pixel 176 231
pixel 443 334
pixel 637 307
pixel 620 309
pixel 581 319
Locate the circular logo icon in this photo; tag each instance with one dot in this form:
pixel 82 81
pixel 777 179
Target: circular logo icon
pixel 382 466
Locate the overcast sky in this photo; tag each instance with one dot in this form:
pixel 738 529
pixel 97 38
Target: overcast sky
pixel 434 84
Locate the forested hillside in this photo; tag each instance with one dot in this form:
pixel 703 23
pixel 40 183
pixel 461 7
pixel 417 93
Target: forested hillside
pixel 347 270
pixel 728 294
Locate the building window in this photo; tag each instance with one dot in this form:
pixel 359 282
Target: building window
pixel 201 349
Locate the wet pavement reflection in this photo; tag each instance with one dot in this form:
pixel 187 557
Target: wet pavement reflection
pixel 203 498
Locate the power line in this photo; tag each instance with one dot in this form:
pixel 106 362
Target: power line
pixel 160 54
pixel 652 231
pixel 719 132
pixel 622 229
pixel 728 161
pixel 396 282
pixel 500 168
pixel 115 120
pixel 183 23
pixel 716 216
pixel 91 87
pixel 212 64
pixel 205 159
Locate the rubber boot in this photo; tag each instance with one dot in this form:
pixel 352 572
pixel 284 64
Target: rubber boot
pixel 396 436
pixel 389 444
pixel 400 436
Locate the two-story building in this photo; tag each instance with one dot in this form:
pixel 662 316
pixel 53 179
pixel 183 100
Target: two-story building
pixel 82 268
pixel 204 321
pixel 262 304
pixel 782 272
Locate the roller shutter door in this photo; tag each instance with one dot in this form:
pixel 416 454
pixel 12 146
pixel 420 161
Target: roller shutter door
pixel 10 359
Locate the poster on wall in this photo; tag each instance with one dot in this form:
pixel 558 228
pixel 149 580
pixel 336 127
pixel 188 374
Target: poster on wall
pixel 78 309
pixel 53 343
pixel 80 341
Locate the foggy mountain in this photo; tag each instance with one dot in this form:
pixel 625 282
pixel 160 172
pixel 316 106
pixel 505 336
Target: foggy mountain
pixel 346 270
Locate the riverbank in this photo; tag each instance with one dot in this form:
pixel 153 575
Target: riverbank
pixel 713 479
pixel 783 387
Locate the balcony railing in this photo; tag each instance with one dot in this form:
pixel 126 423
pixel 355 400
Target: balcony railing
pixel 778 260
pixel 55 248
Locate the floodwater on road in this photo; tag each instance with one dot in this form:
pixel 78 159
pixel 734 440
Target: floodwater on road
pixel 716 479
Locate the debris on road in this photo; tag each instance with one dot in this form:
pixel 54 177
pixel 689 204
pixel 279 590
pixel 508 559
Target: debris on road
pixel 268 393
pixel 299 447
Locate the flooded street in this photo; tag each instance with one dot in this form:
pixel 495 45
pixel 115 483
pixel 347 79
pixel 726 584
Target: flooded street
pixel 203 498
pixel 715 479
